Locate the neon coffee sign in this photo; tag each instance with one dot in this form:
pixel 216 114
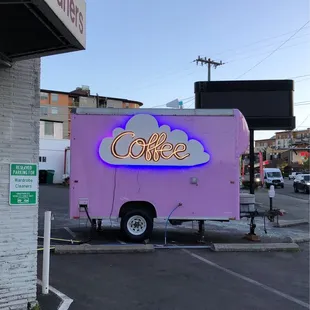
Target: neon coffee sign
pixel 143 142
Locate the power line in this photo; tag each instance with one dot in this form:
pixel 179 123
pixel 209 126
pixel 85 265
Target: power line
pixel 275 50
pixel 303 121
pixel 302 80
pixel 259 41
pixel 263 53
pixel 299 76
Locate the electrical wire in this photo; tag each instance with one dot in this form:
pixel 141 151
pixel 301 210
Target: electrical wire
pixel 274 51
pixel 303 121
pixel 262 53
pixel 257 42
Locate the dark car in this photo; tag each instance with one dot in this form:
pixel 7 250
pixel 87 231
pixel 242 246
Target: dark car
pixel 302 183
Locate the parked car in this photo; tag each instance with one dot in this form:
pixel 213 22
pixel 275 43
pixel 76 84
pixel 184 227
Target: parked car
pixel 293 175
pixel 302 183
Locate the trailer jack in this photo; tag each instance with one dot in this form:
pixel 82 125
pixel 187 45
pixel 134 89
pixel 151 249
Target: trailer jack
pixel 270 215
pixel 251 235
pixel 201 231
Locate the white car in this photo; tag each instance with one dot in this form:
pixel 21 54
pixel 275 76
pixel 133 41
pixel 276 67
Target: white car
pixel 293 175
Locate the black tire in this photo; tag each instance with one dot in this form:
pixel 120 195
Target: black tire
pixel 295 189
pixel 139 214
pixel 282 185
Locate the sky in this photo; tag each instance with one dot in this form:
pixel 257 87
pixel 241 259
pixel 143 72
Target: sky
pixel 144 50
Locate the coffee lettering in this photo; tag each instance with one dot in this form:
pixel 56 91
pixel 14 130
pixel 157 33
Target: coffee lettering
pixel 76 15
pixel 73 12
pixel 81 23
pixel 153 149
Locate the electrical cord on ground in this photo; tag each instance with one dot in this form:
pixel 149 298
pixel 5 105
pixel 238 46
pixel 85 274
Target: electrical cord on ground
pixel 91 227
pixel 113 198
pixel 179 205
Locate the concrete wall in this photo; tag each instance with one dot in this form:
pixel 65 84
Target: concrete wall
pixel 54 153
pixel 58 114
pixel 19 142
pixel 117 104
pixel 87 102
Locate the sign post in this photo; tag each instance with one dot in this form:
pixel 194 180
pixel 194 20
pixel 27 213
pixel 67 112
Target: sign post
pixel 23 184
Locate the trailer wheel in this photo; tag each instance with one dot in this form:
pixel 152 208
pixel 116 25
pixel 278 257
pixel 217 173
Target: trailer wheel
pixel 137 225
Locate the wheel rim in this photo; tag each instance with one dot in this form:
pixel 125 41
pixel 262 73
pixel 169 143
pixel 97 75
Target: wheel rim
pixel 136 225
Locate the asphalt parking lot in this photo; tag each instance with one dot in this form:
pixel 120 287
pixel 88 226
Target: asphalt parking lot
pixel 178 279
pixel 56 199
pixel 173 279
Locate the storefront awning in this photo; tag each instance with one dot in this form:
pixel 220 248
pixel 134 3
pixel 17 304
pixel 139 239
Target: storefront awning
pixel 35 28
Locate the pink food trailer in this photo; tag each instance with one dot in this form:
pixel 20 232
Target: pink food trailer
pixel 140 164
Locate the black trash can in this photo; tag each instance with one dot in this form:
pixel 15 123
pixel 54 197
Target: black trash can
pixel 42 177
pixel 50 176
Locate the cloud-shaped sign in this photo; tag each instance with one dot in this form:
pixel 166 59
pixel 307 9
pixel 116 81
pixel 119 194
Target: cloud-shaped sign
pixel 144 143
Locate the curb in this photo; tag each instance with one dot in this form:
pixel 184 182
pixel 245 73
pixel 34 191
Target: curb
pixel 297 239
pixel 104 249
pixel 266 247
pixel 291 223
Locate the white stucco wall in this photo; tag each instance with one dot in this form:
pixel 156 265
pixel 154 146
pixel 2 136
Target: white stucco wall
pixel 19 142
pixel 54 152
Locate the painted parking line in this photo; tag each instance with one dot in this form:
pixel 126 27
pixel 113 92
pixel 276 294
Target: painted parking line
pixel 70 232
pixel 120 241
pixel 238 275
pixel 65 300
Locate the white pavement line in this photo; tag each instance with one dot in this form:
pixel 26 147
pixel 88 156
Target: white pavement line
pixel 235 274
pixel 121 242
pixel 65 300
pixel 70 232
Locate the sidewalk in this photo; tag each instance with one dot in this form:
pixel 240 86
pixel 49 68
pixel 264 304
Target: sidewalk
pixel 295 208
pixel 47 302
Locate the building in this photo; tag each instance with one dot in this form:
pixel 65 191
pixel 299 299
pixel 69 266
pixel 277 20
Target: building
pixel 263 144
pixel 52 157
pixel 301 138
pixel 283 139
pixel 29 30
pixel 295 138
pixel 56 107
pixel 290 148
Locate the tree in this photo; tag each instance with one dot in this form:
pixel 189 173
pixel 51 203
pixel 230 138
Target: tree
pixel 306 164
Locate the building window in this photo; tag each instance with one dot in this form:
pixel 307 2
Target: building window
pixel 42 159
pixel 54 97
pixel 54 110
pixel 43 96
pixel 43 111
pixel 49 129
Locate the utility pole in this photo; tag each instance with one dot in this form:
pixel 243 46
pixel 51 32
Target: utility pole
pixel 210 63
pixel 97 100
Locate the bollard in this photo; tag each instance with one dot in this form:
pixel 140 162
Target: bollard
pixel 271 194
pixel 46 252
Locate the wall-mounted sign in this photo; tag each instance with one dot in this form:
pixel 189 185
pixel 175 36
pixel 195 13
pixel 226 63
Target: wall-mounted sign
pixel 144 143
pixel 23 184
pixel 73 14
